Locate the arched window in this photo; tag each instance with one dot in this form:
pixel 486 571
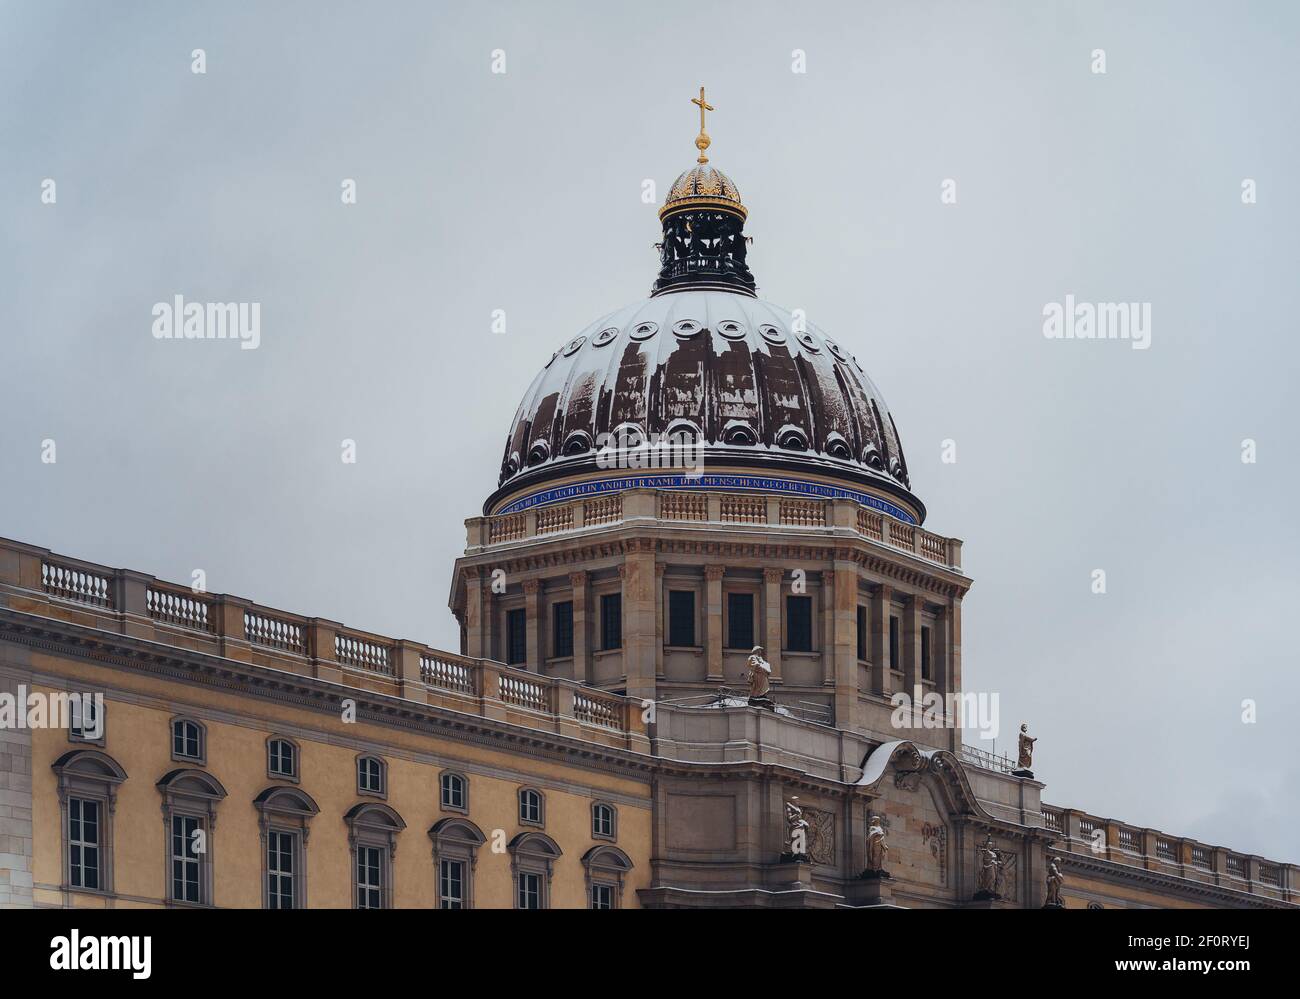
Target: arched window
pixel 283 817
pixel 605 868
pixel 189 741
pixel 282 758
pixel 532 862
pixel 190 800
pixel 532 807
pixel 88 782
pixel 453 792
pixel 372 776
pixel 604 821
pixel 455 853
pixel 86 718
pixel 372 838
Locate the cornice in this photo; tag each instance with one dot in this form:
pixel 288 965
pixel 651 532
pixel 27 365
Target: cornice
pixel 142 657
pixel 1126 875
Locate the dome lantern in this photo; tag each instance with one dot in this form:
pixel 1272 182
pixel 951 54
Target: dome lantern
pixel 704 243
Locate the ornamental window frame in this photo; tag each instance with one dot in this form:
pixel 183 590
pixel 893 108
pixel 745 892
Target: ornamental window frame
pixel 533 854
pixel 200 757
pixel 295 755
pixel 457 841
pixel 285 810
pixel 525 819
pixel 364 789
pixel 77 703
pixel 190 793
pixel 597 807
pixel 454 778
pixel 88 775
pixel 606 866
pixel 373 825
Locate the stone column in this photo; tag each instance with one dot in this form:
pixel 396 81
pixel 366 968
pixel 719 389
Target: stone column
pixel 771 630
pixel 659 620
pixel 534 638
pixel 581 627
pixel 475 617
pixel 910 646
pixel 639 634
pixel 882 682
pixel 845 653
pixel 713 621
pixel 952 647
pixel 826 604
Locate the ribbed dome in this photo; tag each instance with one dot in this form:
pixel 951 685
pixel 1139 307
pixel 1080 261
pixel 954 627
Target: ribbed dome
pixel 703 185
pixel 727 365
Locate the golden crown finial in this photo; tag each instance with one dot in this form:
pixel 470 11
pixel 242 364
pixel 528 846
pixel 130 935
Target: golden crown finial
pixel 702 141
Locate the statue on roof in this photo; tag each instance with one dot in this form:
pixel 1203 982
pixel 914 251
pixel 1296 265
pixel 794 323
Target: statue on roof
pixel 759 677
pixel 1026 753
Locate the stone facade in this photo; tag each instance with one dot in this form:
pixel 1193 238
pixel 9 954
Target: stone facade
pixel 15 798
pixel 695 787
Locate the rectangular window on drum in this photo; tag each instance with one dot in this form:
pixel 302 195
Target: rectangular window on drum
pixel 516 637
pixel 562 629
pixel 798 623
pixel 611 621
pixel 681 618
pixel 740 621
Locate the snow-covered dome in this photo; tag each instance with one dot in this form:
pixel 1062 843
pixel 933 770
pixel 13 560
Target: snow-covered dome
pixel 761 392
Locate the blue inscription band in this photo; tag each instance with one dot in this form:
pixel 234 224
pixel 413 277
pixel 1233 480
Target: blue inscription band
pixel 720 483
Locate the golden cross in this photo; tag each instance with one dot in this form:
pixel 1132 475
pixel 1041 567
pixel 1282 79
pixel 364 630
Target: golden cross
pixel 702 141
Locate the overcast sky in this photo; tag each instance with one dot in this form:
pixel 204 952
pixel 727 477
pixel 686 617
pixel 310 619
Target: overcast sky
pixel 522 191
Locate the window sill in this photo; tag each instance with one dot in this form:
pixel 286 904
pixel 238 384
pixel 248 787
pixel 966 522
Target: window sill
pixel 695 650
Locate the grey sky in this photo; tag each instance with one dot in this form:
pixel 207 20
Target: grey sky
pixel 522 192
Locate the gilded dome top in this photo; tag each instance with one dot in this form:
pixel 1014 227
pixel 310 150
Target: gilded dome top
pixel 703 186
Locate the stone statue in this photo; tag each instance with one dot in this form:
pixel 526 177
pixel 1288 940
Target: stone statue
pixel 988 878
pixel 1026 757
pixel 1054 881
pixel 876 850
pixel 759 678
pixel 796 827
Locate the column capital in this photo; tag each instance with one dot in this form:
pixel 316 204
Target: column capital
pixel 773 575
pixel 531 586
pixel 578 578
pixel 714 572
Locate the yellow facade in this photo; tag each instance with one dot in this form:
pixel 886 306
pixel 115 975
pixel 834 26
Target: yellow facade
pixel 137 735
